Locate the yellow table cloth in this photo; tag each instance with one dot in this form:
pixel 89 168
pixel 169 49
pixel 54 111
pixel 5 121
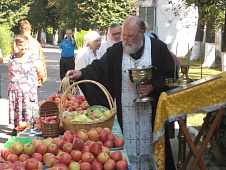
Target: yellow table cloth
pixel 205 97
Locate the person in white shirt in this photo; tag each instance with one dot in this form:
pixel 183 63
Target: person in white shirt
pixel 90 51
pixel 113 36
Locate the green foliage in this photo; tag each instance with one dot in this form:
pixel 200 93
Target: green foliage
pixel 13 11
pixel 79 38
pixel 5 40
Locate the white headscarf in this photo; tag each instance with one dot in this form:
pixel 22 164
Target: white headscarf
pixel 91 36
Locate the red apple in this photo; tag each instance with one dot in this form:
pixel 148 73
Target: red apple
pixel 49 161
pixel 41 148
pixel 68 137
pixel 68 147
pixel 89 143
pixel 111 137
pixel 46 155
pixel 53 122
pixel 118 142
pixel 50 98
pixel 23 157
pixel 106 150
pixel 71 109
pixel 62 144
pixel 103 136
pixel 36 142
pixel 87 157
pixel 57 100
pixel 16 147
pixel 65 158
pixel 29 148
pixel 102 157
pixel 6 154
pixel 100 142
pixel 85 166
pixel 37 156
pixel 108 130
pixel 109 143
pixel 86 149
pixel 68 131
pixel 116 156
pixel 78 144
pixel 57 141
pixel 83 98
pixel 31 164
pixel 95 148
pixel 110 164
pixel 12 157
pixel 121 165
pixel 96 166
pixel 82 135
pixel 99 129
pixel 4 151
pixel 93 135
pixel 76 155
pixel 52 148
pixel 74 166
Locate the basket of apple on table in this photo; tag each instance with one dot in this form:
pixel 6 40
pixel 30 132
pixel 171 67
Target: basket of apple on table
pixel 79 115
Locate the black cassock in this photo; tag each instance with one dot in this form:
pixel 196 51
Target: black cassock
pixel 108 71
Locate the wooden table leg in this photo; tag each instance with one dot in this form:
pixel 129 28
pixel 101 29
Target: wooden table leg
pixel 197 139
pixel 190 142
pixel 208 136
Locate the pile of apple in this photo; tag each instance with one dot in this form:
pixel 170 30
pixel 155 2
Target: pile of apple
pixel 71 102
pixel 85 150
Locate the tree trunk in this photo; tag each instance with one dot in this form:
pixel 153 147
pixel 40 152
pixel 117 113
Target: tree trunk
pixel 196 49
pixel 223 49
pixel 209 60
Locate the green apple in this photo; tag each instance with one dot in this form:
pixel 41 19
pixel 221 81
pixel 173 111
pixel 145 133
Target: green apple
pixel 29 148
pixel 82 117
pixel 107 113
pixel 74 166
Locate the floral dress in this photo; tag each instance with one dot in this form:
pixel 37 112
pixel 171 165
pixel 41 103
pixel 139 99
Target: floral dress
pixel 22 89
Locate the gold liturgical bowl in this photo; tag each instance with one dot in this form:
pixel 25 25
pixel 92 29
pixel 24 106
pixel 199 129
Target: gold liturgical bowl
pixel 141 76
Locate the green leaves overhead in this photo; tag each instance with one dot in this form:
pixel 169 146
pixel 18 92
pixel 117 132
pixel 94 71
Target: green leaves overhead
pixel 82 14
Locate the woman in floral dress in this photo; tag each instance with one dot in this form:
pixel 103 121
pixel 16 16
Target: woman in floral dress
pixel 24 69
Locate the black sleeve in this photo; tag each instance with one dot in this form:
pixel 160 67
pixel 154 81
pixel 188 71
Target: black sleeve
pixel 163 61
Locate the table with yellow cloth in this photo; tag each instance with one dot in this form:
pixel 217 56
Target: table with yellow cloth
pixel 203 97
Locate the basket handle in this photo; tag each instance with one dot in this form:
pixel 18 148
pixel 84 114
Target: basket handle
pixel 105 91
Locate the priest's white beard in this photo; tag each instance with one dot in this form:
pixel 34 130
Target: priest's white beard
pixel 133 49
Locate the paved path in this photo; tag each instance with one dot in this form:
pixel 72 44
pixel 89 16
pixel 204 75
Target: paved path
pixel 49 87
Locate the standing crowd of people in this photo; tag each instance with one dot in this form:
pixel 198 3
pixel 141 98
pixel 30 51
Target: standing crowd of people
pixel 127 46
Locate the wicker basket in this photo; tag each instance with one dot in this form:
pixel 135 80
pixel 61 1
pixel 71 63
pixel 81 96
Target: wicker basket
pixel 47 109
pixel 102 122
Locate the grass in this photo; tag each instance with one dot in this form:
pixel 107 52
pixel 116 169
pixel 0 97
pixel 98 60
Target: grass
pixel 196 73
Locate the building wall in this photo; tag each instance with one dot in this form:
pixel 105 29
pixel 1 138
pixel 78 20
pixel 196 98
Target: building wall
pixel 178 32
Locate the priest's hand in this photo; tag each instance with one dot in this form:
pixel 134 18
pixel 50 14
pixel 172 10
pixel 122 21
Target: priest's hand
pixel 144 89
pixel 73 74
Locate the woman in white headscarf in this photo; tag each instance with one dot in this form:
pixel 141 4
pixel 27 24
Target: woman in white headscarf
pixel 113 36
pixel 90 50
